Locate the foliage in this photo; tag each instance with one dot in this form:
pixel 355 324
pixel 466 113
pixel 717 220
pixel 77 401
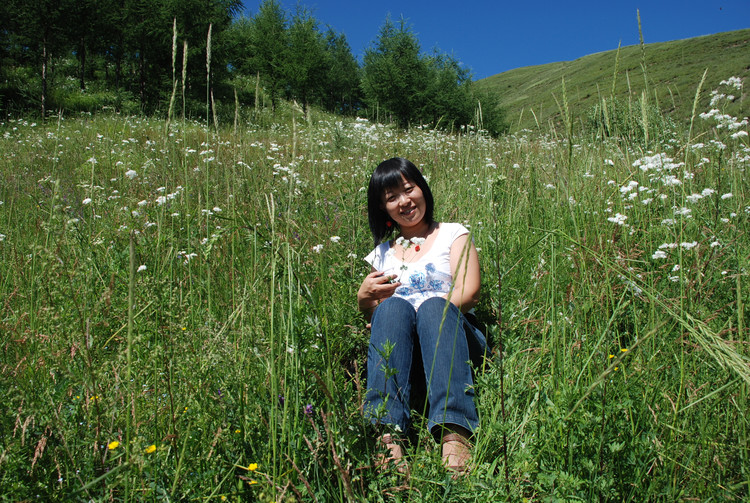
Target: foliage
pixel 394 73
pixel 414 88
pixel 150 49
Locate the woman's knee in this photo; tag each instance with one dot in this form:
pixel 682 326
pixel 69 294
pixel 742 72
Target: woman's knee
pixel 437 311
pixel 394 309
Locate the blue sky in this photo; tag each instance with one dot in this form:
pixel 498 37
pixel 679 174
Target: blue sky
pixel 491 37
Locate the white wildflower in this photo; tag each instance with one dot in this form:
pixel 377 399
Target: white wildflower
pixel 141 268
pixel 335 239
pixel 689 245
pixel 658 254
pixel 671 180
pixel 317 248
pixel 86 201
pixel 131 173
pixel 735 82
pixel 728 195
pixel 618 219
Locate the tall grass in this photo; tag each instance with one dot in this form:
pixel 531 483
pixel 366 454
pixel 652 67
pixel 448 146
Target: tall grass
pixel 181 295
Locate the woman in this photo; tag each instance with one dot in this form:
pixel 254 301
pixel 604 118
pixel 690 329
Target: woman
pixel 415 297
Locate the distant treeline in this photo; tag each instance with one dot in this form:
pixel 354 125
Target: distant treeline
pixel 134 55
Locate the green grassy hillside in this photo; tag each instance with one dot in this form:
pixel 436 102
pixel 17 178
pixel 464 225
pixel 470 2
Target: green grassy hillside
pixel 673 71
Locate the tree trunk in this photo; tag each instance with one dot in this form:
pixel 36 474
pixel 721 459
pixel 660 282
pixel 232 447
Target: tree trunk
pixel 44 76
pixel 142 72
pixel 118 62
pixel 82 56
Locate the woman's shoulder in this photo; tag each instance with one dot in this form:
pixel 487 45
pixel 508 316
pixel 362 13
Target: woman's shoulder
pixel 452 230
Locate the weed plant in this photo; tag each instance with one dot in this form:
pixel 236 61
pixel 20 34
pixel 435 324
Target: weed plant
pixel 178 317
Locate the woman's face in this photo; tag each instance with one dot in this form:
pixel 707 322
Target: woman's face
pixel 405 203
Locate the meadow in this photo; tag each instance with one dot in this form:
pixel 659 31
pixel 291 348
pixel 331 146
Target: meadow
pixel 178 310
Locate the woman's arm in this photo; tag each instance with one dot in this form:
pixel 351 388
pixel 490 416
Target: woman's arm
pixel 375 287
pixel 465 271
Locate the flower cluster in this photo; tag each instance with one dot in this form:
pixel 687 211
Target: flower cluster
pixel 407 243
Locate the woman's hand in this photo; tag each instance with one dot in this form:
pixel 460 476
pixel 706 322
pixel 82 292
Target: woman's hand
pixel 375 287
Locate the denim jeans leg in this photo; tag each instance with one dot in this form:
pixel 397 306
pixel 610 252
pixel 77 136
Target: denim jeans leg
pixel 445 354
pixel 389 361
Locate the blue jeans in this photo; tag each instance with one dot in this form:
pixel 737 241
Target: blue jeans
pixel 437 338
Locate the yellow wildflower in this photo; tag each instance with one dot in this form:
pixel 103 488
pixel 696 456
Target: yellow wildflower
pixel 611 356
pixel 624 350
pixel 252 467
pixel 151 448
pixel 113 445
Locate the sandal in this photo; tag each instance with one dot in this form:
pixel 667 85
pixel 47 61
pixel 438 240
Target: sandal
pixel 395 454
pixel 456 452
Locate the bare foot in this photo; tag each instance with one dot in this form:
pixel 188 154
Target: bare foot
pixel 456 452
pixel 395 454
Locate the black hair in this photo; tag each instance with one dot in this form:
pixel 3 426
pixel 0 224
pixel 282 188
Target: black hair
pixel 388 176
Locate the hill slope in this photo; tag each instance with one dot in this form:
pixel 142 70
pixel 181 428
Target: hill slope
pixel 673 72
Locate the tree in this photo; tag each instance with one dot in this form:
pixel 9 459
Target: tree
pixel 394 74
pixel 81 30
pixel 432 89
pixel 447 97
pixel 269 46
pixel 343 75
pixel 193 19
pixel 305 66
pixel 37 26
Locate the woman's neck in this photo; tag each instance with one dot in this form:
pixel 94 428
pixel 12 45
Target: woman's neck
pixel 418 231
